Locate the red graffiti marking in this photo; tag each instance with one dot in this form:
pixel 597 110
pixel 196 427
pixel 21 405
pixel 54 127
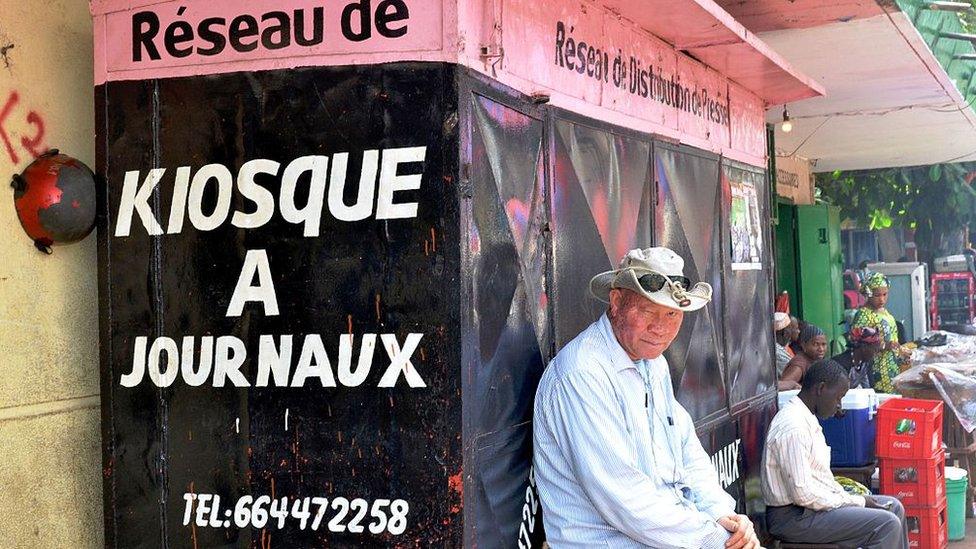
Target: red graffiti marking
pixel 7 107
pixel 33 144
pixel 455 484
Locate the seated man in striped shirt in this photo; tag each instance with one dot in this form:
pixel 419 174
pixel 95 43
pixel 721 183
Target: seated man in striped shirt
pixel 617 460
pixel 804 502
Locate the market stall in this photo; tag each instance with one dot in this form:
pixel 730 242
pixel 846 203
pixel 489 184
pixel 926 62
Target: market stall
pixel 916 443
pixel 338 244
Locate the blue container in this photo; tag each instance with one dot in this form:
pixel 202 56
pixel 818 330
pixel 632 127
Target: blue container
pixel 851 438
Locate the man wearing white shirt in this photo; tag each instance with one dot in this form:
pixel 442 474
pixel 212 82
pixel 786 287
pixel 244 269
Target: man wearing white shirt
pixel 804 502
pixel 617 461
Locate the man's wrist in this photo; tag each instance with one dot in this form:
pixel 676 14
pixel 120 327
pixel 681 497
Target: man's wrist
pixel 717 537
pixel 718 511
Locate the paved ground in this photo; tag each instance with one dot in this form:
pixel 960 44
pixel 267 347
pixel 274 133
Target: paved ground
pixel 970 541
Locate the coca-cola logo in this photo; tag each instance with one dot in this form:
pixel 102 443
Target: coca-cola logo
pixel 903 445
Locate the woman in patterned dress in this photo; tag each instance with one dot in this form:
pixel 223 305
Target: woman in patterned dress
pixel 873 314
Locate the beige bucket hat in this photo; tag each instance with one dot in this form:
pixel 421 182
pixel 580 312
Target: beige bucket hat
pixel 656 274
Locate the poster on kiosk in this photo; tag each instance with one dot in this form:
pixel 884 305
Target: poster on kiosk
pixel 338 245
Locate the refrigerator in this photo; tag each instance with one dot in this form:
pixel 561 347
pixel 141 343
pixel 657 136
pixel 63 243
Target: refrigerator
pixel 952 299
pixel 907 295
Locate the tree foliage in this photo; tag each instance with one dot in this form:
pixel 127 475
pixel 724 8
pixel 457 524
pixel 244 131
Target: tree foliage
pixel 933 200
pixel 968 18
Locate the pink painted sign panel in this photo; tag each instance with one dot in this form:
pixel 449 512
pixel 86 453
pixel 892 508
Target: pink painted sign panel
pixel 647 69
pixel 229 32
pixel 583 51
pixel 748 124
pixel 708 116
pixel 586 58
pixel 557 45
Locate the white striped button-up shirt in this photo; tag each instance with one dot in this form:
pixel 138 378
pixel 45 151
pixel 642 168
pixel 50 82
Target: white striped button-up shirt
pixel 617 461
pixel 796 463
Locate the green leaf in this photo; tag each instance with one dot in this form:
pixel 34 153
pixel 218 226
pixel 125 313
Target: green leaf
pixel 934 200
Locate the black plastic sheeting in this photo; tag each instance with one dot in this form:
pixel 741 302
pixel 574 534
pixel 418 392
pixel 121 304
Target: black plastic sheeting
pixel 506 332
pixel 520 205
pixel 688 214
pixel 601 196
pixel 749 305
pixel 753 424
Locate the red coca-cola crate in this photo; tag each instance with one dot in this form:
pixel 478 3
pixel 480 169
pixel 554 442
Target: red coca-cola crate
pixel 909 428
pixel 917 482
pixel 927 526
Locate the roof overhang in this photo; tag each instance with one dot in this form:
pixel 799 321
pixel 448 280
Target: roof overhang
pixel 708 33
pixel 889 102
pixel 761 16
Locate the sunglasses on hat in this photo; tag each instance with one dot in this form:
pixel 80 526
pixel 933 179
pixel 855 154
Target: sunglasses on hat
pixel 653 282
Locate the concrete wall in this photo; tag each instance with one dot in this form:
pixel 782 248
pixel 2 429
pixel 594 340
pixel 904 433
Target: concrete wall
pixel 50 469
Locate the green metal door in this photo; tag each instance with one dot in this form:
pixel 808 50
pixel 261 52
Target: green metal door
pixel 819 269
pixel 838 342
pixel 787 279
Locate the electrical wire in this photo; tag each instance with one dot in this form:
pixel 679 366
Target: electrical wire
pixel 807 138
pixel 969 104
pixel 883 112
pixel 958 158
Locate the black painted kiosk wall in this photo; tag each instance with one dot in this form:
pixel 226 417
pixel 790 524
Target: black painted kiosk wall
pixel 340 286
pixel 386 275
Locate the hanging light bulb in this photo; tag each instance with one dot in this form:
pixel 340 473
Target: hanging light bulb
pixel 787 126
